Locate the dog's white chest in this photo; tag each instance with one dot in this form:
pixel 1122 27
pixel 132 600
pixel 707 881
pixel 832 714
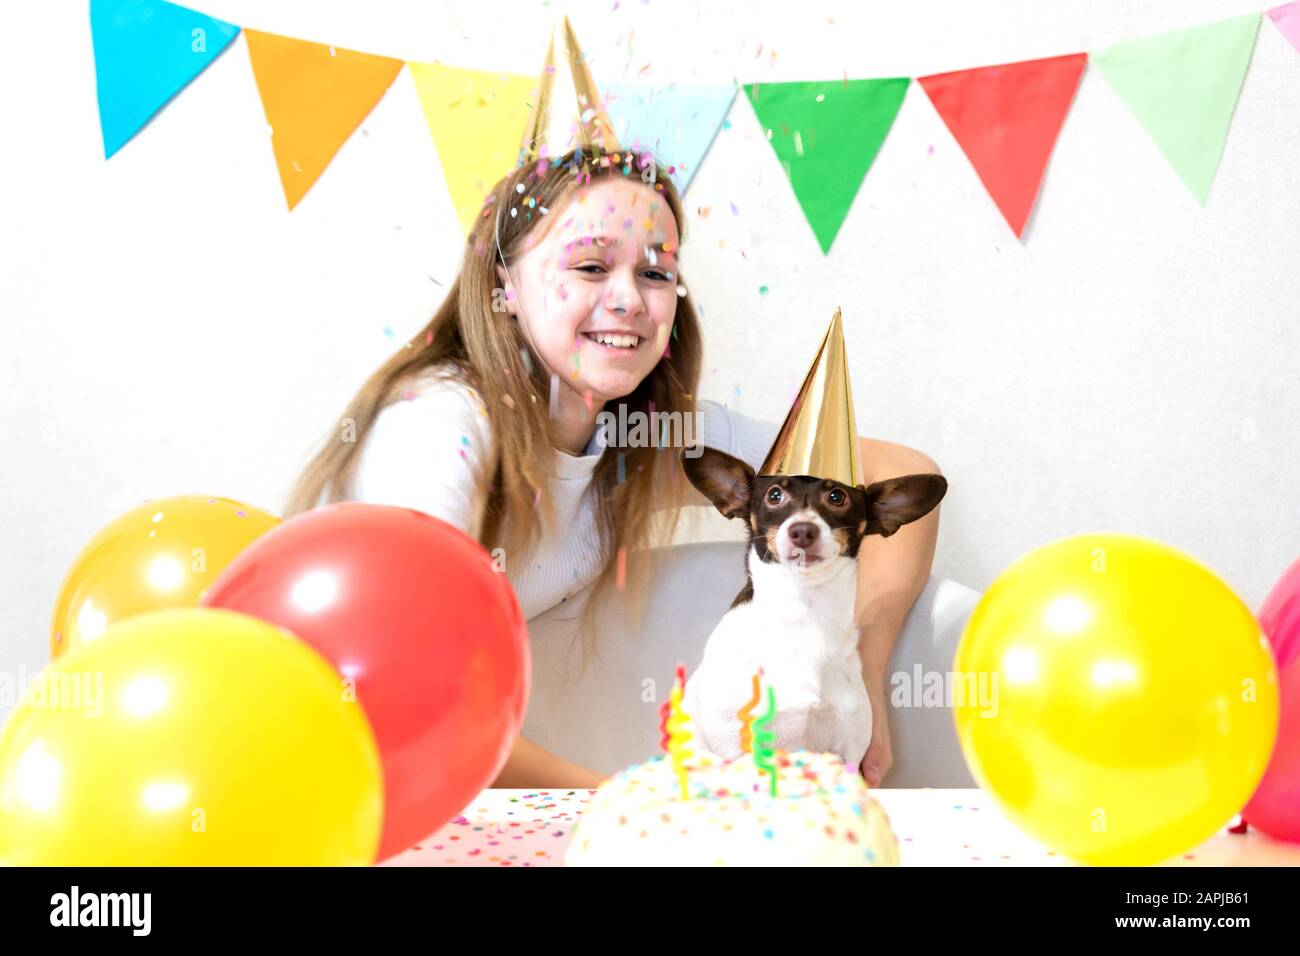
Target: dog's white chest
pixel 812 665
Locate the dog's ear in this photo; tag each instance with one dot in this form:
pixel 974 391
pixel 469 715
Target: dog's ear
pixel 895 502
pixel 724 480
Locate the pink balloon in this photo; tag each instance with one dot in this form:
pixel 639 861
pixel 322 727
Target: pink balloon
pixel 1275 807
pixel 1280 616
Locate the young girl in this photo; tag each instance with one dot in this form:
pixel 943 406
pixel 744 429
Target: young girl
pixel 487 418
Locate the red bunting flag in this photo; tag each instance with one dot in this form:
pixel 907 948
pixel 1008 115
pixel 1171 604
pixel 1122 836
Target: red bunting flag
pixel 1006 119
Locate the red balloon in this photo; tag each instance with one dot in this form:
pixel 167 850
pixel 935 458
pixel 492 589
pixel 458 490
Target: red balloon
pixel 1275 806
pixel 413 610
pixel 1280 616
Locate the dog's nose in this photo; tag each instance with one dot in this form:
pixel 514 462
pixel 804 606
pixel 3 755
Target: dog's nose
pixel 803 534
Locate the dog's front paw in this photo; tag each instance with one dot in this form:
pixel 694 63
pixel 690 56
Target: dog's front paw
pixel 720 739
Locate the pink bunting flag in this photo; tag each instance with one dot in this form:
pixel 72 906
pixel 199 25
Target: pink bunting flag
pixel 1287 19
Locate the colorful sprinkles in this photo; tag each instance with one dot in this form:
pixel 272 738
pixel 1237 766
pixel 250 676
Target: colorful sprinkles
pixel 503 828
pixel 818 812
pixel 523 828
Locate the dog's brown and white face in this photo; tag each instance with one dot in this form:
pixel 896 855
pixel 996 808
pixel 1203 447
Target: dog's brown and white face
pixel 803 522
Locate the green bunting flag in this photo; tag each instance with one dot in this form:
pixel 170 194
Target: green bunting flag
pixel 826 135
pixel 1183 87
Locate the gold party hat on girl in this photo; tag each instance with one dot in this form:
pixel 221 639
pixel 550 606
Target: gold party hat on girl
pixel 568 112
pixel 820 434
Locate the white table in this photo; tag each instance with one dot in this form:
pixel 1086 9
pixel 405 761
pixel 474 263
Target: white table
pixel 934 827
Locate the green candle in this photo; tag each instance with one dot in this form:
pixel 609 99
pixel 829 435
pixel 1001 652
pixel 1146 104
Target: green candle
pixel 763 738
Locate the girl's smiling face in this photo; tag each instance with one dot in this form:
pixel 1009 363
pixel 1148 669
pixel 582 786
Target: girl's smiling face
pixel 607 262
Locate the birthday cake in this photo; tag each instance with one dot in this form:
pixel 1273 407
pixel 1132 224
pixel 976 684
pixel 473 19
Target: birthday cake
pixel 821 815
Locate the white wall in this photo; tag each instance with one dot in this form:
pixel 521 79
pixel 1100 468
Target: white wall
pixel 170 328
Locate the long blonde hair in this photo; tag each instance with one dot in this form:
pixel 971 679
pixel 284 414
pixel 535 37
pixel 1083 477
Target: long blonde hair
pixel 472 342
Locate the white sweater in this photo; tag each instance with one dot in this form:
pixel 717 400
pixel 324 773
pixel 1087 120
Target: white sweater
pixel 421 453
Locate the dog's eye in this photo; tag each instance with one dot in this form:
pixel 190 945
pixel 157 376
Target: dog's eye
pixel 837 496
pixel 774 496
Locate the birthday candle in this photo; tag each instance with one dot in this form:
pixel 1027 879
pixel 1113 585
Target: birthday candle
pixel 763 738
pixel 666 707
pixel 679 730
pixel 746 715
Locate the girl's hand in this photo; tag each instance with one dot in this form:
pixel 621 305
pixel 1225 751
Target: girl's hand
pixel 879 756
pixel 534 767
pixel 590 779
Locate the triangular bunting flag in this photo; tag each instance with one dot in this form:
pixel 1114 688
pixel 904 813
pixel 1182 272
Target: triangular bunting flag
pixel 1183 87
pixel 827 135
pixel 1287 19
pixel 1006 119
pixel 315 96
pixel 475 119
pixel 677 122
pixel 146 52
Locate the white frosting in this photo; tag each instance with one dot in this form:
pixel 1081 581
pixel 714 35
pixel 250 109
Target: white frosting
pixel 822 815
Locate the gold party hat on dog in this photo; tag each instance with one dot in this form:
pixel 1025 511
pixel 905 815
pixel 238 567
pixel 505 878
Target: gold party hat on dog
pixel 820 435
pixel 568 112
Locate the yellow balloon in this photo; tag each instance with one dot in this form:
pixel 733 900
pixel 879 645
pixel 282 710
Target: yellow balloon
pixel 162 553
pixel 1116 697
pixel 190 736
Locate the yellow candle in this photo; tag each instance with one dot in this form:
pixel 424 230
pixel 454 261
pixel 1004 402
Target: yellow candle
pixel 678 733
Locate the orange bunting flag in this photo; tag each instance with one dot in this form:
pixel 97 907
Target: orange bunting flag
pixel 315 96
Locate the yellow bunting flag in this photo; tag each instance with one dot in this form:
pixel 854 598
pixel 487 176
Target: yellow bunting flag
pixel 475 118
pixel 315 96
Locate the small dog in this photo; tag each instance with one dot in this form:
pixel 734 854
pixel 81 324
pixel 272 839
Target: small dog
pixel 795 616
